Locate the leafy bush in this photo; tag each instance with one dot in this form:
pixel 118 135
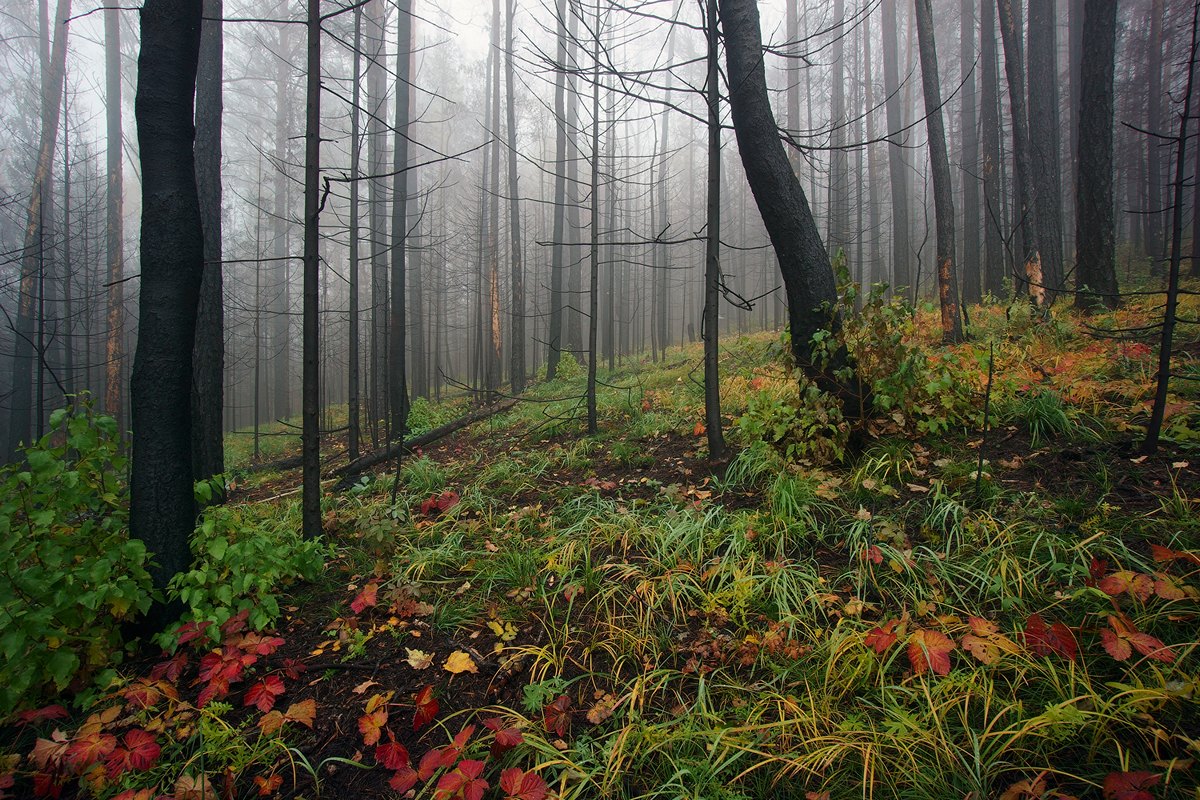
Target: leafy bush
pixel 801 422
pixel 71 574
pixel 241 564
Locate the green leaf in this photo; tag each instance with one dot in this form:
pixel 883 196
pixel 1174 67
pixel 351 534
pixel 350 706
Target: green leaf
pixel 62 666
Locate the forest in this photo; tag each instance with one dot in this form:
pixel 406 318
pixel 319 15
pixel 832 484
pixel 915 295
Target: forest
pixel 600 399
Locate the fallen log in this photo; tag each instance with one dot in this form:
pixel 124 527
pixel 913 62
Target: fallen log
pixel 350 471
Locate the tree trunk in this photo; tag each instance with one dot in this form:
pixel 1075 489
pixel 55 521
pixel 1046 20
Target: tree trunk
pixel 281 306
pixel 516 368
pixel 162 509
pixel 114 218
pixel 712 247
pixel 1158 408
pixel 839 164
pixel 943 190
pixel 989 124
pixel 1043 137
pixel 24 355
pixel 352 373
pixel 594 276
pixel 969 266
pixel 803 260
pixel 208 362
pixel 874 169
pixel 557 245
pixel 397 321
pixel 897 169
pixel 376 227
pixel 575 252
pixel 1095 226
pixel 1027 197
pixel 493 366
pixel 1154 207
pixel 310 378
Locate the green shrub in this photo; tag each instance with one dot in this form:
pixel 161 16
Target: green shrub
pixel 71 574
pixel 808 424
pixel 241 564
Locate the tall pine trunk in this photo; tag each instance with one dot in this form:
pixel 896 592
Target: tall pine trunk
pixel 208 367
pixel 162 510
pixel 897 169
pixel 114 390
pixel 943 190
pixel 516 368
pixel 1095 225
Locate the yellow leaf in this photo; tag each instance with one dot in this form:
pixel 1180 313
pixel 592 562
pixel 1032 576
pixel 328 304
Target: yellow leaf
pixel 459 662
pixel 378 701
pixel 418 659
pixel 505 631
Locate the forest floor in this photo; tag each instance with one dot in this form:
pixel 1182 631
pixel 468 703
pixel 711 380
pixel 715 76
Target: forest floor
pixel 616 617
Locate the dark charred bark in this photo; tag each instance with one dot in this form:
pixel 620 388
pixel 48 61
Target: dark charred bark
pixel 516 367
pixel 310 379
pixel 803 261
pixel 1043 137
pixel 943 191
pixel 989 125
pixel 1095 225
pixel 712 247
pixel 208 360
pixel 897 170
pixel 397 320
pixel 162 509
pixel 555 333
pixel 969 269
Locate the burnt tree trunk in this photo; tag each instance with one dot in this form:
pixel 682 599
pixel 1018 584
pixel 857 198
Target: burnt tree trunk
pixel 162 510
pixel 1095 225
pixel 897 169
pixel 311 331
pixel 972 278
pixel 712 248
pixel 397 321
pixel 803 261
pixel 516 368
pixel 943 190
pixel 557 247
pixel 1043 137
pixel 114 389
pixel 208 361
pixel 989 125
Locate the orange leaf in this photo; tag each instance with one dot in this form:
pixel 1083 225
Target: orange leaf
pixel 881 638
pixel 1137 584
pixel 427 708
pixel 929 650
pixel 303 712
pixel 268 786
pixel 366 598
pixel 371 724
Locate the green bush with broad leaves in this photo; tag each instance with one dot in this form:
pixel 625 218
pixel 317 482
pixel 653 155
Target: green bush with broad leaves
pixel 71 574
pixel 241 564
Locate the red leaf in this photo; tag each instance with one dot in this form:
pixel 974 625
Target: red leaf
pixel 1138 585
pixel 433 760
pixel 506 737
pixel 881 638
pixel 392 755
pixel 217 689
pixel 517 784
pixel 143 749
pixel 260 645
pixel 35 715
pixel 87 750
pixel 268 786
pixel 929 650
pixel 235 624
pixel 439 503
pixel 427 708
pixel 365 599
pixel 1055 639
pixel 262 694
pixel 48 754
pixel 874 554
pixel 294 668
pixel 404 779
pixel 47 784
pixel 170 669
pixel 1129 785
pixel 370 725
pixel 556 716
pixel 190 631
pixel 1122 638
pixel 464 782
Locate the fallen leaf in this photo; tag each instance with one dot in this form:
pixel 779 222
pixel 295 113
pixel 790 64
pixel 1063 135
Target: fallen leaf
pixel 602 710
pixel 418 659
pixel 426 707
pixel 1129 785
pixel 362 687
pixel 929 650
pixel 458 661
